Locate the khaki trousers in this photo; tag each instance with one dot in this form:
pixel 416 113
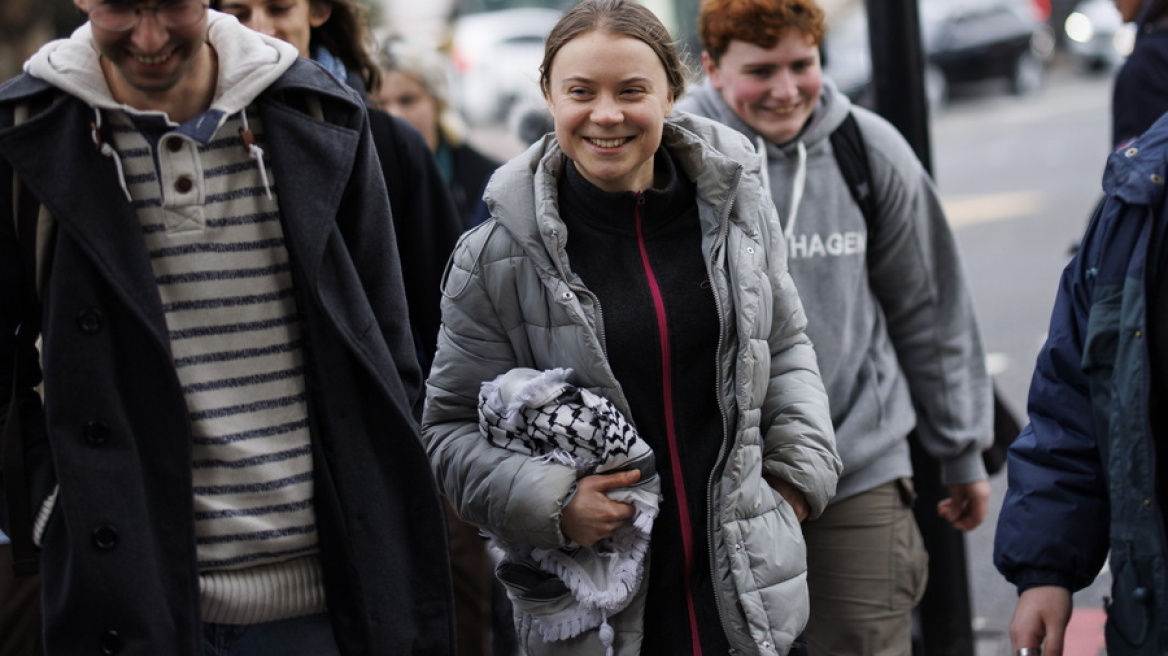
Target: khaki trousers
pixel 866 571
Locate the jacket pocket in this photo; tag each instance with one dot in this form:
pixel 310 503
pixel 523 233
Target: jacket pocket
pixel 1130 609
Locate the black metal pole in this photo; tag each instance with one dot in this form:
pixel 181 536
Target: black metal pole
pixel 898 63
pixel 945 615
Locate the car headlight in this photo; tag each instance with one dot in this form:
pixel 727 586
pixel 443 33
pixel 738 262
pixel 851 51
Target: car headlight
pixel 1079 28
pixel 1124 39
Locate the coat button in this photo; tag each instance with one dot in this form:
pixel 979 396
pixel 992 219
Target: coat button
pixel 110 643
pixel 1141 594
pixel 96 433
pixel 105 537
pixel 90 320
pixel 174 144
pixel 183 185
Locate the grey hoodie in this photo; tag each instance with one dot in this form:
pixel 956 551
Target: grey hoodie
pixel 889 312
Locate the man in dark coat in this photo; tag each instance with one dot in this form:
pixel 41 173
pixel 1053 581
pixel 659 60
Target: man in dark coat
pixel 225 459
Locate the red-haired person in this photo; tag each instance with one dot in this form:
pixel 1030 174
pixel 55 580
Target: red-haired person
pixel 889 313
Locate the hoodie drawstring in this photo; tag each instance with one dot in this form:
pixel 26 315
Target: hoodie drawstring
pixel 764 164
pixel 798 183
pixel 797 186
pixel 254 151
pixel 108 151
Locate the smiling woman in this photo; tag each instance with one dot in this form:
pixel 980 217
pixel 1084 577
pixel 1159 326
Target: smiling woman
pixel 609 97
pixel 333 32
pixel 633 254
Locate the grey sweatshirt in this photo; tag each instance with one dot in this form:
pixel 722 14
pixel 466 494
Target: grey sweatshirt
pixel 889 311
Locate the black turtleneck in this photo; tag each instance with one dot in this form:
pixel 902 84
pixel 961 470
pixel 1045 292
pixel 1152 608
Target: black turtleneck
pixel 604 249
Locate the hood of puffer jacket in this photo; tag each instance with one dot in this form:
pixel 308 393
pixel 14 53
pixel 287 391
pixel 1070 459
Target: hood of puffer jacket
pixel 526 187
pixel 249 62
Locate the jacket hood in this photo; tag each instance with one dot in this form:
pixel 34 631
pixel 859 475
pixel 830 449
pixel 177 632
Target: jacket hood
pixel 833 107
pixel 248 63
pixel 526 186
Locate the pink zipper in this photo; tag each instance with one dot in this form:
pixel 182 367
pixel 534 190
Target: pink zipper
pixel 670 428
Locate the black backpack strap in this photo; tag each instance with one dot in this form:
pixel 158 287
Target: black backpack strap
pixel 851 155
pixel 20 526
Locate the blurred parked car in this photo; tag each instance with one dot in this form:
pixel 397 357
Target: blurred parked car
pixel 496 56
pixel 964 41
pixel 1097 37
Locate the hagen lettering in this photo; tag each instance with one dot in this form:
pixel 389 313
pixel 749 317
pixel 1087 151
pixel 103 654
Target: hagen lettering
pixel 836 244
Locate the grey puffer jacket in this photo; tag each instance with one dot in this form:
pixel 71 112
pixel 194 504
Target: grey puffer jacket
pixel 512 300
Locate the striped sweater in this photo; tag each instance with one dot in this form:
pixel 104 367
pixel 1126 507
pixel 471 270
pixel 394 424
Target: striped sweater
pixel 211 226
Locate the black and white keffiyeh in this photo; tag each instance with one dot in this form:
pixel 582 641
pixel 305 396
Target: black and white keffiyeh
pixel 541 415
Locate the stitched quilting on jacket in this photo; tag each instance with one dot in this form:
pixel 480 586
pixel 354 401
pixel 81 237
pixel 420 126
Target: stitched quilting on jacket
pixel 512 300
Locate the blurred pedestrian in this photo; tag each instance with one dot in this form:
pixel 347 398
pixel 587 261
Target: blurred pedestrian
pixel 632 251
pixel 335 34
pixel 888 310
pixel 414 87
pixel 1140 92
pixel 225 459
pixel 1086 475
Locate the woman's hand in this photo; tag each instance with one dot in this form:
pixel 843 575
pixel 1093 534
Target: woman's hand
pixel 591 516
pixel 791 494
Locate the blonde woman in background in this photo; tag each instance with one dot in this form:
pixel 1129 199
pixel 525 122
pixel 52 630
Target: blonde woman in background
pixel 414 87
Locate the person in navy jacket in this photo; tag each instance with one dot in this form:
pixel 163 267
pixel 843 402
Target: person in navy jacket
pixel 1085 476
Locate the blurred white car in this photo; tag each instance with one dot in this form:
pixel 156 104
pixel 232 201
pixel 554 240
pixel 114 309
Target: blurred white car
pixel 496 56
pixel 1097 37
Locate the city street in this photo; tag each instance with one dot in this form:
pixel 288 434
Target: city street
pixel 1020 177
